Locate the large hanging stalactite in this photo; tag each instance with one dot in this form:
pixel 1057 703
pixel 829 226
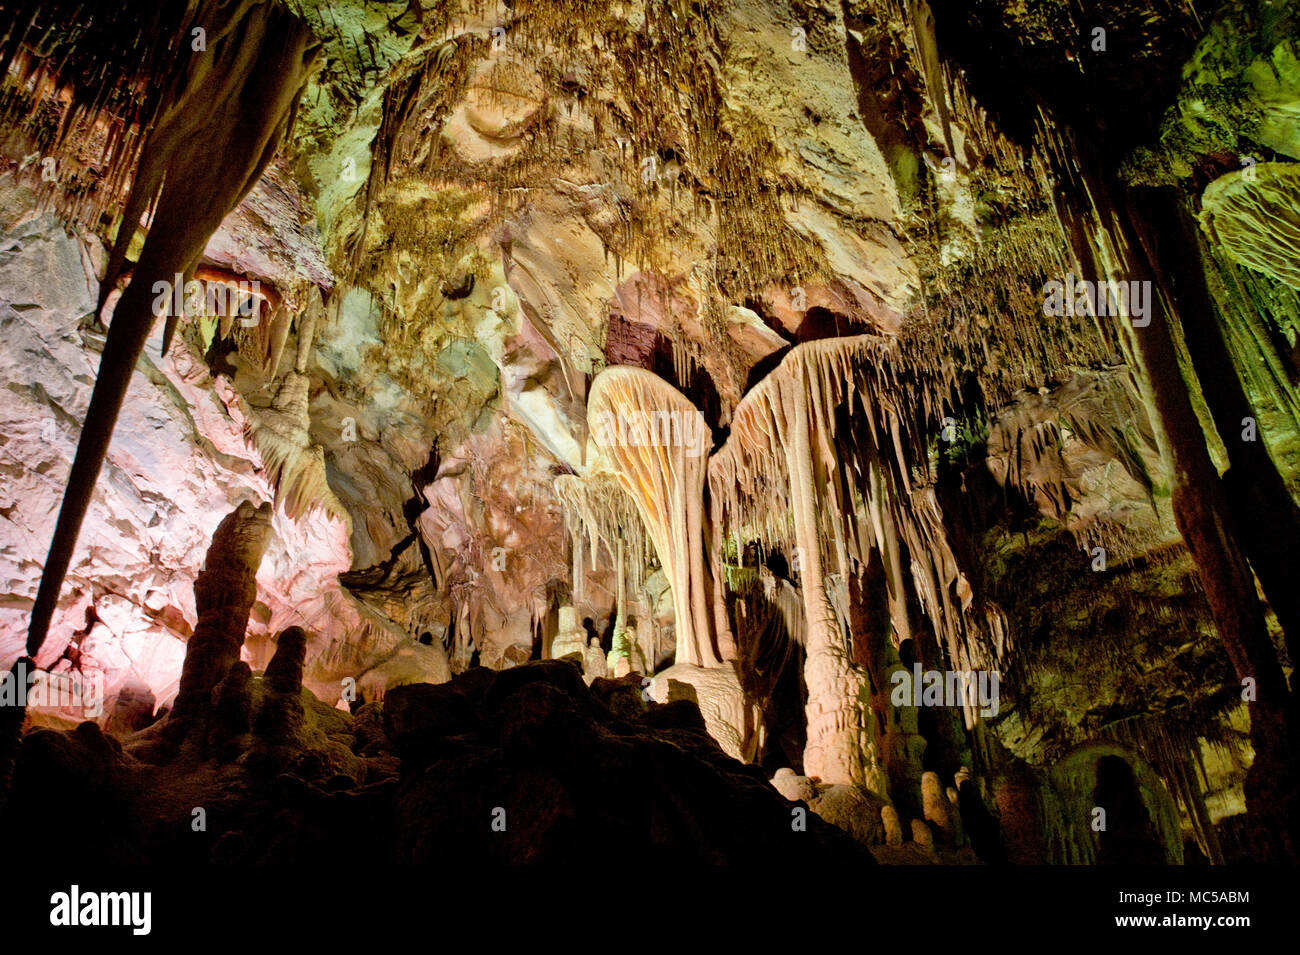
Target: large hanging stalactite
pixel 657 442
pixel 212 138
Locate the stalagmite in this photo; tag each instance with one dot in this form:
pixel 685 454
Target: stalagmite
pixel 937 809
pixel 224 593
pixel 619 661
pixel 570 641
pixel 893 828
pixel 232 709
pixel 281 713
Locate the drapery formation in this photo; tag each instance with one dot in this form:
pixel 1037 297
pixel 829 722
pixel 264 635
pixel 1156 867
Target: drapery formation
pixel 823 466
pixel 1255 219
pixel 655 441
pixel 781 460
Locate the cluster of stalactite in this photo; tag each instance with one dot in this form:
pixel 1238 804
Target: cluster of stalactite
pixel 82 82
pixel 670 67
pixel 983 319
pixel 1173 750
pixel 281 432
pixel 1102 412
pixel 828 464
pixel 977 333
pixel 820 466
pixel 1119 226
pixel 602 515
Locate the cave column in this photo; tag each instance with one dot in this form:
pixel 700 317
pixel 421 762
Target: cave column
pixel 1204 519
pixel 619 660
pixel 838 746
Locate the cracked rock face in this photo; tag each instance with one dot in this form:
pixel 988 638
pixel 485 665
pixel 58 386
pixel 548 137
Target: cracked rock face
pixel 178 459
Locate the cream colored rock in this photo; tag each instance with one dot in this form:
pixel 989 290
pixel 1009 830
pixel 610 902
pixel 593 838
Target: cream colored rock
pixel 794 787
pixel 502 100
pixel 719 695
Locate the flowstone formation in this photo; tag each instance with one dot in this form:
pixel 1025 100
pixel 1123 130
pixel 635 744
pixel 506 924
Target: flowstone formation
pixel 736 430
pixel 1253 219
pixel 655 440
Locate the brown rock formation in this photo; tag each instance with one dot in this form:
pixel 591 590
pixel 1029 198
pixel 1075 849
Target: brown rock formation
pixel 225 591
pixel 280 715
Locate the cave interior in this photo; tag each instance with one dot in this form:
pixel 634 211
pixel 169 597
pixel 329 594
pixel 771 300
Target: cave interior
pixel 503 429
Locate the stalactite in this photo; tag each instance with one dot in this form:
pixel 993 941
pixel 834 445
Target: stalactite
pixel 656 441
pixel 601 512
pixel 294 465
pixel 307 324
pixel 620 650
pixel 237 101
